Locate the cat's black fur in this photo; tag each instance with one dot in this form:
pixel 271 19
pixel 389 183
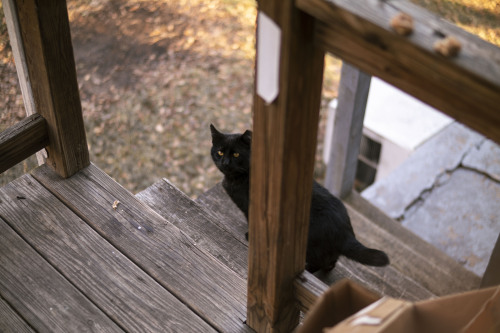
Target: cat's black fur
pixel 330 230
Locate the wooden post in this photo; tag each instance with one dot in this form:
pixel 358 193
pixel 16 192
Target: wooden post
pixel 347 130
pixel 47 75
pixel 20 61
pixel 283 149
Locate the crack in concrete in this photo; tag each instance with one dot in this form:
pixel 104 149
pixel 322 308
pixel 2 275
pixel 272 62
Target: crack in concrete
pixel 441 179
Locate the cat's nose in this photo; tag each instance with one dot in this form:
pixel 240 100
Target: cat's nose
pixel 225 162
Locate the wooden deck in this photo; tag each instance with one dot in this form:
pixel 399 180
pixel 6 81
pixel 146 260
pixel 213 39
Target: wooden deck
pixel 84 254
pixel 70 262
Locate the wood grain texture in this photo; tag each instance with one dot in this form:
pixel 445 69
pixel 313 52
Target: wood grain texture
pixel 308 289
pixel 207 232
pixel 10 321
pixel 466 87
pixel 22 140
pixel 386 281
pixel 128 295
pixel 347 130
pixel 51 75
pixel 409 253
pixel 39 293
pixel 283 149
pixel 172 258
pixel 193 218
pixel 222 209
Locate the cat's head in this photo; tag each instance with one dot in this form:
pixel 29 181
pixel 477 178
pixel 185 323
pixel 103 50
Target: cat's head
pixel 231 152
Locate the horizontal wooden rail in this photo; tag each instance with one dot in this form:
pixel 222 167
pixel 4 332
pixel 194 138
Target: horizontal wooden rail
pixel 22 140
pixel 41 39
pixel 308 289
pixel 466 87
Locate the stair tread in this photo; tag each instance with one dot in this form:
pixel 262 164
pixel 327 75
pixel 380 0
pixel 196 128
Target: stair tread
pixel 209 288
pixel 221 213
pixel 189 216
pixel 412 274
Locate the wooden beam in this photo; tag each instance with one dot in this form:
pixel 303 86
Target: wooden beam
pixel 49 70
pixel 466 87
pixel 347 130
pixel 283 149
pixel 22 140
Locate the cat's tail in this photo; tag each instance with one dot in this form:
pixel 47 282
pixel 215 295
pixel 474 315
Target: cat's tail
pixel 356 251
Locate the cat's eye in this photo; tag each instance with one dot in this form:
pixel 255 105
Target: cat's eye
pixel 220 153
pixel 236 154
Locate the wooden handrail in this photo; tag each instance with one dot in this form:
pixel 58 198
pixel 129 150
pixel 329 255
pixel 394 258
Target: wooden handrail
pixel 22 140
pixel 466 87
pixel 41 40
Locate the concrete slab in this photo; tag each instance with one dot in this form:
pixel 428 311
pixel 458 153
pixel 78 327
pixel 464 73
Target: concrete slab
pixel 485 159
pixel 445 151
pixel 448 192
pixel 460 216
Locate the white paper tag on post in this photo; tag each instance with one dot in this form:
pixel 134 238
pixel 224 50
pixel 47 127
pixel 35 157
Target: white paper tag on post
pixel 268 58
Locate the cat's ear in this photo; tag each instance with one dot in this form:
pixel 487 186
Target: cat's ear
pixel 247 137
pixel 216 135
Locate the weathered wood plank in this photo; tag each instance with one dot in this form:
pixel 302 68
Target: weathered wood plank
pixel 209 232
pixel 409 253
pixel 10 321
pixel 172 258
pixel 466 87
pixel 22 140
pixel 283 148
pixel 191 218
pixel 386 281
pixel 46 45
pixel 219 206
pixel 347 130
pixel 308 289
pixel 129 296
pixel 44 298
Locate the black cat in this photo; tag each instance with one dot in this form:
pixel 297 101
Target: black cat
pixel 330 230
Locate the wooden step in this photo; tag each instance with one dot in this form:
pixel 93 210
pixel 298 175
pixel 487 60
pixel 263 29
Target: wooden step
pixel 410 276
pixel 135 266
pixel 386 281
pixel 71 279
pixel 207 231
pixel 409 253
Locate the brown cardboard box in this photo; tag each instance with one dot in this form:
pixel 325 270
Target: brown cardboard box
pixel 337 312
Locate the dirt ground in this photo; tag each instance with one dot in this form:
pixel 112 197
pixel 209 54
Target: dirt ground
pixel 154 74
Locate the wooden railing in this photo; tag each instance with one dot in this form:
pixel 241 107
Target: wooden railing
pixel 285 128
pixel 466 87
pixel 41 44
